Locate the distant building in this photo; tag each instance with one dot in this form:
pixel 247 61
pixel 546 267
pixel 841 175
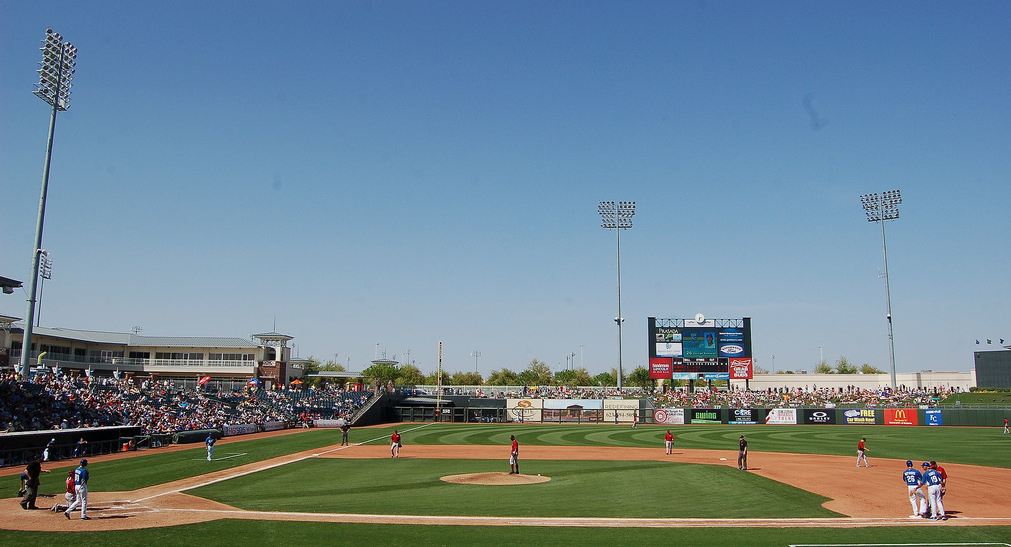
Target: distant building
pixel 265 357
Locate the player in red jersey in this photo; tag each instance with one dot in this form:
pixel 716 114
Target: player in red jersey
pixel 395 444
pixel 668 441
pixel 514 456
pixel 1005 426
pixel 862 452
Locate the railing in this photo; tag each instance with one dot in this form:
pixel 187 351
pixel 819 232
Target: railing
pixel 62 359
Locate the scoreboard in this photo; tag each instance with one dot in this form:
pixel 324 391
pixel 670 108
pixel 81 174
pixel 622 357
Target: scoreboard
pixel 700 348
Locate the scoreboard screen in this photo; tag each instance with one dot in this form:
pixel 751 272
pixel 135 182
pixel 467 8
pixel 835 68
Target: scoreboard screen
pixel 700 348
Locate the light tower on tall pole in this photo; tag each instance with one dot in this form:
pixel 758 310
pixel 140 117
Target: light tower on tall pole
pixel 617 216
pixel 59 60
pixel 879 208
pixel 46 272
pixel 475 354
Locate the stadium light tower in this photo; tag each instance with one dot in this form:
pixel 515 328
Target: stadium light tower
pixel 617 216
pixel 879 208
pixel 56 72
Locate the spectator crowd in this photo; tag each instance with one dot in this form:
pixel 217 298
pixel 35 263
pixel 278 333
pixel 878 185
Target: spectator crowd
pixel 71 400
pixel 813 397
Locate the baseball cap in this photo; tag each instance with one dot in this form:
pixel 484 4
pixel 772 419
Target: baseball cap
pixel 909 463
pixel 84 462
pixel 925 464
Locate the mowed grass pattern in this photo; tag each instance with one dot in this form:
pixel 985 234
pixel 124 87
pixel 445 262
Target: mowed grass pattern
pixel 972 445
pixel 296 534
pixel 577 489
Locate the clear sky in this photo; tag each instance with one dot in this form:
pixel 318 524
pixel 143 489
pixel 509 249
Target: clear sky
pixel 407 172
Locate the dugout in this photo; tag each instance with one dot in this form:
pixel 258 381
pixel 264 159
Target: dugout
pixel 22 447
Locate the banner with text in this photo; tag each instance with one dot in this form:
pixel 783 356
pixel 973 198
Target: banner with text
pixel 934 416
pixel 855 416
pixel 706 416
pixel 660 368
pixel 238 429
pixel 620 410
pixel 901 416
pixel 669 416
pixel 780 416
pixel 740 368
pixel 820 416
pixel 524 410
pixel 746 415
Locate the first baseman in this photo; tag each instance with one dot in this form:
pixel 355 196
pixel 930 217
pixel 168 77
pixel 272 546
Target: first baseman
pixel 932 479
pixel 81 491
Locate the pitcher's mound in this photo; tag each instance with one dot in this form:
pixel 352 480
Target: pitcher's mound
pixel 494 479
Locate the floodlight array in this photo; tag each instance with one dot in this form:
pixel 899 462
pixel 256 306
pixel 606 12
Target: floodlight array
pixel 883 206
pixel 56 71
pixel 616 214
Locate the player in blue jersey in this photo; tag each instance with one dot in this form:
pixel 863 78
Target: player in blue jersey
pixel 209 441
pixel 81 486
pixel 932 479
pixel 914 480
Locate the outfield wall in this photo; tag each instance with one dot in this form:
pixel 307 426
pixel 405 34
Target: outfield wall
pixel 622 411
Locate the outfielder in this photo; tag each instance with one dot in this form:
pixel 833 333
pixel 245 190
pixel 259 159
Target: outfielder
pixel 862 452
pixel 933 480
pixel 80 492
pixel 1005 426
pixel 209 441
pixel 668 441
pixel 914 480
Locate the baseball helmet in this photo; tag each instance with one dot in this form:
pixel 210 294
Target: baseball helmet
pixel 84 462
pixel 909 463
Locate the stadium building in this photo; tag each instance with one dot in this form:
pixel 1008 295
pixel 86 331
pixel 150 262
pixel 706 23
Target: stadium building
pixel 265 356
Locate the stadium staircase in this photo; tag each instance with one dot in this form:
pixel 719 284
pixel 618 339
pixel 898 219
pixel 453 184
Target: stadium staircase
pixel 365 415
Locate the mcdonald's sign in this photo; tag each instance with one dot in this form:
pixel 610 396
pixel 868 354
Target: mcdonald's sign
pixel 901 416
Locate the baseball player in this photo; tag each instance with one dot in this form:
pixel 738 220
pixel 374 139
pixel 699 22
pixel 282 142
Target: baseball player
pixel 635 420
pixel 914 480
pixel 944 476
pixel 209 441
pixel 742 454
pixel 1005 426
pixel 862 452
pixel 932 479
pixel 49 446
pixel 80 492
pixel 71 493
pixel 395 444
pixel 668 441
pixel 514 456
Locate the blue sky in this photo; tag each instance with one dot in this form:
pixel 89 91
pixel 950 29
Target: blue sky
pixel 407 172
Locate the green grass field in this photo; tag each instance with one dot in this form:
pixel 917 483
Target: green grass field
pixel 980 398
pixel 981 446
pixel 576 489
pixel 623 489
pixel 290 534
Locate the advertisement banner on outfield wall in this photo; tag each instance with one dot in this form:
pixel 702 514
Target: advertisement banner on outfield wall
pixel 706 416
pixel 620 410
pixel 819 416
pixel 238 429
pixel 901 416
pixel 739 416
pixel 273 426
pixel 524 410
pixel 669 416
pixel 934 416
pixel 781 416
pixel 858 416
pixel 562 404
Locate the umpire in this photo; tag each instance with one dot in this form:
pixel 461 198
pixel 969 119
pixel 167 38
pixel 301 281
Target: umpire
pixel 33 470
pixel 742 454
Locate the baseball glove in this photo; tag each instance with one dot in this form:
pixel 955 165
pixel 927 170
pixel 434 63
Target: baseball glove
pixel 21 492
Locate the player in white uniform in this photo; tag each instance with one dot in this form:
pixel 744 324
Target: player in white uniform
pixel 914 482
pixel 81 485
pixel 933 480
pixel 209 441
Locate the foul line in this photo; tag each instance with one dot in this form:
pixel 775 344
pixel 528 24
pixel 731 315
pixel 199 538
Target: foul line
pixel 267 467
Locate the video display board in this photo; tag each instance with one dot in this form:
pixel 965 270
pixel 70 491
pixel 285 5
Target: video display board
pixel 702 348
